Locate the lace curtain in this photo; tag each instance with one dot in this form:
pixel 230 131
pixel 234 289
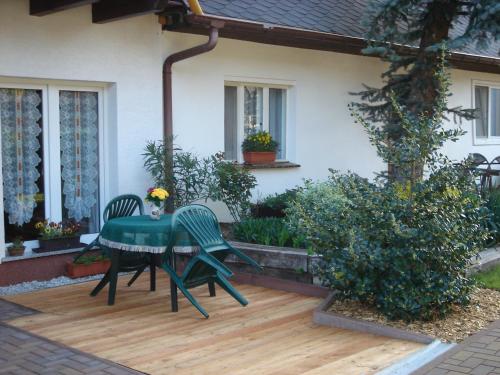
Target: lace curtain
pixel 79 152
pixel 19 116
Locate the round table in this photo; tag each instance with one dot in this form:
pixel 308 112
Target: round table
pixel 142 234
pixel 138 233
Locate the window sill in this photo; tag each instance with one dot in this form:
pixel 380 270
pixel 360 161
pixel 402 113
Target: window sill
pixel 274 165
pixel 487 141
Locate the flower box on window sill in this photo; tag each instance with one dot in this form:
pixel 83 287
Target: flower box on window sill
pixel 54 244
pixel 273 165
pixel 259 157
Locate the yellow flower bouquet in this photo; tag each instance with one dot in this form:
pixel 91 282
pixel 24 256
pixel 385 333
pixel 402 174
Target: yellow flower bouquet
pixel 156 196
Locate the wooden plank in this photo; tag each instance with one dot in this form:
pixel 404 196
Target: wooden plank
pixel 114 10
pixel 274 334
pixel 44 7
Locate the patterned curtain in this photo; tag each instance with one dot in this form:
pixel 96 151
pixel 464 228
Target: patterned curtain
pixel 79 152
pixel 19 116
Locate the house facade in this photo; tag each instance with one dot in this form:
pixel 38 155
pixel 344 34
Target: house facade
pixel 80 99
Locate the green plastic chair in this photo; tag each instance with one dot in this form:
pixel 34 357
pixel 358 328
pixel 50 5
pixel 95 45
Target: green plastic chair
pixel 121 206
pixel 207 266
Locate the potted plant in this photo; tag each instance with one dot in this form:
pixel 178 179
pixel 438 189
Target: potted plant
pixel 17 247
pixel 156 197
pixel 57 236
pixel 259 148
pixel 88 265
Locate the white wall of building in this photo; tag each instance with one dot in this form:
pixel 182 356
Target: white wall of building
pixel 324 134
pixel 126 59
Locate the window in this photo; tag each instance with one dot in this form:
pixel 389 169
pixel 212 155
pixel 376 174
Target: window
pixel 487 103
pixel 50 144
pixel 250 108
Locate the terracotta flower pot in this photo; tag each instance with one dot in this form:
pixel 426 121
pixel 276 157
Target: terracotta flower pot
pixel 75 270
pixel 16 251
pixel 259 157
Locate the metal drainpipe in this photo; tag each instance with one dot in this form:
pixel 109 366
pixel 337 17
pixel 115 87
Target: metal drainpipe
pixel 167 93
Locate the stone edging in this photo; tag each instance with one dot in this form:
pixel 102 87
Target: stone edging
pixel 322 316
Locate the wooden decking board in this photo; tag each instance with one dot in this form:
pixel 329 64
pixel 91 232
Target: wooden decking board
pixel 274 334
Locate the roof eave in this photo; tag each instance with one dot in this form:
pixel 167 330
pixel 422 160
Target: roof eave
pixel 301 38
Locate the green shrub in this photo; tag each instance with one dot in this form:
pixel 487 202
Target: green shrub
pixel 195 178
pixel 273 205
pixel 493 204
pixel 267 231
pixel 405 251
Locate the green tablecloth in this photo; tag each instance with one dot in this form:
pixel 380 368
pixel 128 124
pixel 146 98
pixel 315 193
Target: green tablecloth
pixel 141 234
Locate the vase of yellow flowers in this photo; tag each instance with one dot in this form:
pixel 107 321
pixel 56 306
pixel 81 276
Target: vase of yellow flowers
pixel 259 148
pixel 156 198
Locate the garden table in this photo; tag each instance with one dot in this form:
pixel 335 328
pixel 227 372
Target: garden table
pixel 144 235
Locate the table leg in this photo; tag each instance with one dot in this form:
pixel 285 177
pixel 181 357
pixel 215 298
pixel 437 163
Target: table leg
pixel 152 272
pixel 113 275
pixel 173 286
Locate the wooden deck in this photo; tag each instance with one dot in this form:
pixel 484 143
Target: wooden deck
pixel 274 334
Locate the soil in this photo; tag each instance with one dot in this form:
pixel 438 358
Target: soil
pixel 455 327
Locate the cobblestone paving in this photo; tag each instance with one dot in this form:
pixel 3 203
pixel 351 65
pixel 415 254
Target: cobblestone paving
pixel 9 310
pixel 22 353
pixel 477 355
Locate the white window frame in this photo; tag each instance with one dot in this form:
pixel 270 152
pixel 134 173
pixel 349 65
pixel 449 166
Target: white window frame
pixel 488 140
pixel 240 83
pixel 51 151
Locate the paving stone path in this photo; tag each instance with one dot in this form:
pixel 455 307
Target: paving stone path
pixel 477 355
pixel 23 353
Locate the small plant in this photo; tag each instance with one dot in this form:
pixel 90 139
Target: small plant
pixel 268 231
pixel 89 259
pixel 156 196
pixel 274 205
pixel 17 247
pixel 231 185
pixel 51 230
pixel 17 243
pixel 259 142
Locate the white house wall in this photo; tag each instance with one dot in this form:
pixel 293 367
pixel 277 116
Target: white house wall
pixel 323 131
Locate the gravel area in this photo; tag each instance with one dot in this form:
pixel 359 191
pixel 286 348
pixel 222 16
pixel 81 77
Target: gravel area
pixel 459 324
pixel 31 286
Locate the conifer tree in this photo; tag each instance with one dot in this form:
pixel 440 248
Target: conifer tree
pixel 410 35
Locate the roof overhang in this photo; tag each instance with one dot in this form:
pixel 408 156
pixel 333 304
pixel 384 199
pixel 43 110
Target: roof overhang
pixel 299 38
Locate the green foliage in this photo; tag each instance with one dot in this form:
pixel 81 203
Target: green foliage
pixel 268 231
pixel 259 141
pixel 196 178
pixel 89 259
pixel 404 251
pixel 490 278
pixel 493 204
pixel 274 205
pixel 426 25
pixel 17 242
pixel 403 245
pixel 422 135
pixel 232 185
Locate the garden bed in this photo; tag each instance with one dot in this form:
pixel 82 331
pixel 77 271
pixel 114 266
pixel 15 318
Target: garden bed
pixel 461 323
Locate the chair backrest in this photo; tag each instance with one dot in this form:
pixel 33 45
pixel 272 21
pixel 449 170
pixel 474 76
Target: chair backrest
pixel 479 160
pixel 123 205
pixel 201 223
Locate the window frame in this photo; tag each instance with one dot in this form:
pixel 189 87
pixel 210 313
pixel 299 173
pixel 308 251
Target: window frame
pixel 240 101
pixel 52 149
pixel 488 140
